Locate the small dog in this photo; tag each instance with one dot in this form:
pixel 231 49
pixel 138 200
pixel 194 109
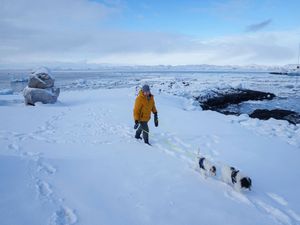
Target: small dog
pixel 206 167
pixel 232 176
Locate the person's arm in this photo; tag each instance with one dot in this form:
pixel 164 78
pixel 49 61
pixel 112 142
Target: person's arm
pixel 137 109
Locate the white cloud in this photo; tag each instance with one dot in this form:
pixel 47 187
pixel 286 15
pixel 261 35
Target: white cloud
pixel 48 27
pixel 268 48
pixel 74 30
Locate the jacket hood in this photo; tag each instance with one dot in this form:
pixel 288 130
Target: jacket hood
pixel 141 93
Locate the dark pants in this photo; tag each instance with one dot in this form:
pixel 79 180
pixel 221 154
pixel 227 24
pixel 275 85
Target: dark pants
pixel 143 127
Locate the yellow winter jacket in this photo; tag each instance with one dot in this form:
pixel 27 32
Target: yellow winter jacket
pixel 143 107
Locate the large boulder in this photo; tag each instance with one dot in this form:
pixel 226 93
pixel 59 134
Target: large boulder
pixel 41 87
pixel 41 78
pixel 33 95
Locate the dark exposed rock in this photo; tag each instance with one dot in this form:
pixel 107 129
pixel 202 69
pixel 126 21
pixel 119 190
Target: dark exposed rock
pixel 185 83
pixel 278 114
pixel 171 84
pixel 227 112
pixel 279 73
pixel 221 100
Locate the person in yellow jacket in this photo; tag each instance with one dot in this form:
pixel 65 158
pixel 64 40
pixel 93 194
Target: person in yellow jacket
pixel 144 105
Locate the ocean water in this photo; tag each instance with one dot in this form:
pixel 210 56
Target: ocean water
pixel 286 88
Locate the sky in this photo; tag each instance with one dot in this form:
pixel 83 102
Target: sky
pixel 132 32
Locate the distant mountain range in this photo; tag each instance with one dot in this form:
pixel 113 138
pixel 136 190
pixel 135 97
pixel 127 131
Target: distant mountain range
pixel 166 68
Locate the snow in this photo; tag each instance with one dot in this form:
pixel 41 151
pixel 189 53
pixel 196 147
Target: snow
pixel 76 162
pixel 6 92
pixel 42 70
pixel 19 80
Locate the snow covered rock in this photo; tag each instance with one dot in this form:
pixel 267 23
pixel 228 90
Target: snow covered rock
pixel 41 78
pixel 41 87
pixel 33 95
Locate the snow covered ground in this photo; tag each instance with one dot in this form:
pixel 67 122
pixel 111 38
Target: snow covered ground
pixel 76 162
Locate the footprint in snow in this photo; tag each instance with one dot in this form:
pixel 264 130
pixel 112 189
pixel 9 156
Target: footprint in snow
pixel 64 216
pixel 294 215
pixel 237 196
pixel 35 156
pixel 281 201
pixel 47 168
pixel 275 213
pixel 15 147
pixel 43 189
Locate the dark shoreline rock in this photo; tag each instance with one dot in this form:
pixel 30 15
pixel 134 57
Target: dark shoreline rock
pixel 279 73
pixel 235 96
pixel 279 114
pixel 220 101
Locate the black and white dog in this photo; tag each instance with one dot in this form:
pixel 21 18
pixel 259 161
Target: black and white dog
pixel 206 167
pixel 232 176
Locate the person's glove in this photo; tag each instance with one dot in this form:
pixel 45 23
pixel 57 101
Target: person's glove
pixel 136 124
pixel 155 119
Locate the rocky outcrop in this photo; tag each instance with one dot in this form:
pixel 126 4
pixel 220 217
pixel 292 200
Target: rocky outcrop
pixel 278 114
pixel 221 100
pixel 41 88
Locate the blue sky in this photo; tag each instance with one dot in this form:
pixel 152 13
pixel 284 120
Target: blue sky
pixel 207 18
pixel 235 32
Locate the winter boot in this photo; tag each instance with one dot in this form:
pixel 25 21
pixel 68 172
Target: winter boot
pixel 138 138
